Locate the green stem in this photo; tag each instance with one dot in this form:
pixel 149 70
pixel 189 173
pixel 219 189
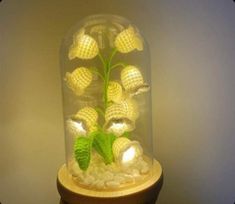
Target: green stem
pixel 99 110
pixel 99 74
pixel 107 76
pixel 118 64
pixel 102 59
pixel 112 55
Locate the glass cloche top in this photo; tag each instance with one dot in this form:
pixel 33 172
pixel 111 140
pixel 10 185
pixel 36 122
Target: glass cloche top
pixel 107 108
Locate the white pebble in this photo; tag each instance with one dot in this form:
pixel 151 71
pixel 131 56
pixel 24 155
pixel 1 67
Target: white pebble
pixel 119 179
pixel 112 184
pixel 75 170
pixel 100 184
pixel 89 180
pixel 135 172
pixel 144 164
pixel 128 178
pixel 108 176
pixel 145 169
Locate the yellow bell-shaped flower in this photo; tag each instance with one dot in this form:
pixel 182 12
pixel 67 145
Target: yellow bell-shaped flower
pixel 117 120
pixel 126 151
pixel 128 40
pixel 130 107
pixel 132 80
pixel 86 118
pixel 78 80
pixel 114 92
pixel 84 47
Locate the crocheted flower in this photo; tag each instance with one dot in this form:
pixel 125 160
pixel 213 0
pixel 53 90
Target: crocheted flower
pixel 78 80
pixel 132 80
pixel 128 40
pixel 84 47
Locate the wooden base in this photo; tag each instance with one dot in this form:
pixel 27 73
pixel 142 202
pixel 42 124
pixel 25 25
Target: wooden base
pixel 144 193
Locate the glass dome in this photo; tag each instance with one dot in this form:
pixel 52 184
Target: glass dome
pixel 105 69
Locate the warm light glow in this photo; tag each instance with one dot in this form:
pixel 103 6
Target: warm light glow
pixel 132 80
pixel 129 155
pixel 128 40
pixel 75 128
pixel 87 117
pixel 114 111
pixel 103 69
pixel 126 151
pixel 117 121
pixel 118 125
pixel 78 80
pixel 83 47
pixel 79 126
pixel 118 128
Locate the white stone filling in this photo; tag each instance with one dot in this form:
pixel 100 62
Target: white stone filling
pixel 111 176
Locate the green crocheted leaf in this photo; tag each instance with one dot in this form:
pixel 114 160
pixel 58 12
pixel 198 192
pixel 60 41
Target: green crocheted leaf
pixel 102 143
pixel 82 152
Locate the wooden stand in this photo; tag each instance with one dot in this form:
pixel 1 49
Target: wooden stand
pixel 144 193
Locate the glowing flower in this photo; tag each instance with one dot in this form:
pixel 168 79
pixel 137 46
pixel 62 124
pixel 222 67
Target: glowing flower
pixel 84 46
pixel 132 80
pixel 114 92
pixel 75 128
pixel 117 121
pixel 130 107
pixel 126 151
pixel 78 80
pixel 85 120
pixel 128 40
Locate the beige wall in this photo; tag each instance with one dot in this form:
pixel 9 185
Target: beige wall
pixel 193 70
